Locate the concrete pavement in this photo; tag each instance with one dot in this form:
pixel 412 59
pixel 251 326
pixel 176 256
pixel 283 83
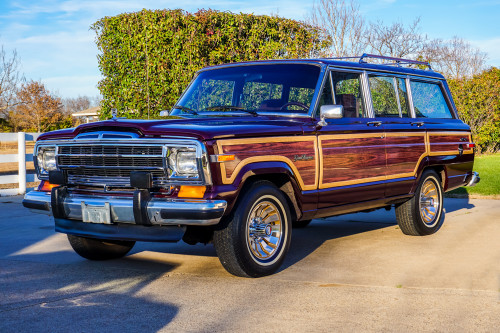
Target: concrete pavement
pixel 355 272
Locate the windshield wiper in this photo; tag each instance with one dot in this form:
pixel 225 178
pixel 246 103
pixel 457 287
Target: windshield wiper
pixel 186 109
pixel 230 108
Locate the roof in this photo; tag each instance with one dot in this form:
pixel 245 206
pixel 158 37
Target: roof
pixel 342 63
pixel 87 113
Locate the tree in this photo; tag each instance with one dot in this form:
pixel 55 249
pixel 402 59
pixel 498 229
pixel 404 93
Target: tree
pixel 341 22
pixel 148 58
pixel 80 103
pixel 10 78
pixel 478 103
pixel 395 40
pixel 455 58
pixel 37 109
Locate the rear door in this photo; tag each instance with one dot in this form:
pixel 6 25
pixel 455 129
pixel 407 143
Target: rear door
pixel 405 140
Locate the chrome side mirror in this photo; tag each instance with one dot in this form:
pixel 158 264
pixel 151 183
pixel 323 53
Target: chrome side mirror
pixel 164 113
pixel 330 112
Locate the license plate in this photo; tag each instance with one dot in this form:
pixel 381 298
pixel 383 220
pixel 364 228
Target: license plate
pixel 96 214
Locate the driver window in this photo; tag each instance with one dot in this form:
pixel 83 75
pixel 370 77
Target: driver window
pixel 347 92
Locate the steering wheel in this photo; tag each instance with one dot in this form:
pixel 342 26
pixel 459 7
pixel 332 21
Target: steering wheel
pixel 302 105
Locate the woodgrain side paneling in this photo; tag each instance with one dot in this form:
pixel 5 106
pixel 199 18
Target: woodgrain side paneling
pixel 300 153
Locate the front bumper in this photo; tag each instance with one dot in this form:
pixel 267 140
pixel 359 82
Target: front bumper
pixel 156 211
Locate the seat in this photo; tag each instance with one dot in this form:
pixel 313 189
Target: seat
pixel 349 103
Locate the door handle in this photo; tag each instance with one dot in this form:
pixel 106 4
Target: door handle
pixel 374 123
pixel 417 123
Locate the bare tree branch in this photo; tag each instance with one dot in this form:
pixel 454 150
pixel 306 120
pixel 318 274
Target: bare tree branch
pixel 343 23
pixel 395 40
pixel 455 58
pixel 10 79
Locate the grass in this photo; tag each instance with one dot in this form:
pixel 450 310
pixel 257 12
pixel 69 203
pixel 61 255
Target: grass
pixel 488 167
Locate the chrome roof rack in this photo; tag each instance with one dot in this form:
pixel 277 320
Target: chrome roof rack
pixel 392 60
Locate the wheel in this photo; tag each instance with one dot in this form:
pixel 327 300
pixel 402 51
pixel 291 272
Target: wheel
pixel 97 249
pixel 254 240
pixel 423 214
pixel 301 224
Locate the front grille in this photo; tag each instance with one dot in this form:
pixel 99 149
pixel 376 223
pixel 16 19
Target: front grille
pixel 110 164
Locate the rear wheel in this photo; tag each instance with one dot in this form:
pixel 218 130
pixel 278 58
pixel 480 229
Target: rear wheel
pixel 99 249
pixel 423 214
pixel 253 242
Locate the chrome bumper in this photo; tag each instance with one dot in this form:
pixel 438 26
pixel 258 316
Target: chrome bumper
pixel 160 211
pixel 474 179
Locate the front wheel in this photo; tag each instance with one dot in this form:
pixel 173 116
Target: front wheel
pixel 423 214
pixel 253 242
pixel 99 249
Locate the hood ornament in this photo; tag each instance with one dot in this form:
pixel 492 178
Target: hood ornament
pixel 114 113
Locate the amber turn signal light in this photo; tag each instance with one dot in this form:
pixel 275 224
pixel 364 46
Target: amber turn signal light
pixel 191 191
pixel 222 158
pixel 45 186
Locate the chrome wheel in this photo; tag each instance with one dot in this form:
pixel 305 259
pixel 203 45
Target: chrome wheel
pixel 264 230
pixel 429 203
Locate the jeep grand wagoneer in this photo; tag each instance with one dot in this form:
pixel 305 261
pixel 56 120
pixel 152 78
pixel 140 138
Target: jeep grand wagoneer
pixel 254 149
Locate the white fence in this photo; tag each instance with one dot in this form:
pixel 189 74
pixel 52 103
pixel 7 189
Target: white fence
pixel 21 158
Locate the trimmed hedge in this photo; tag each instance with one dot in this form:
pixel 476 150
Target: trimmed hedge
pixel 148 58
pixel 478 103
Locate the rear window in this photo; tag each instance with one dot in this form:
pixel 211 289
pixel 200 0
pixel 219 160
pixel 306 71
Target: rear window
pixel 428 100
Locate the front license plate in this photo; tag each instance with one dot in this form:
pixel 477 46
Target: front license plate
pixel 96 214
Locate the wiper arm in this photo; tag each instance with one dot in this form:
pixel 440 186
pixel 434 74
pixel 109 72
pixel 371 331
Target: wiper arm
pixel 230 108
pixel 186 109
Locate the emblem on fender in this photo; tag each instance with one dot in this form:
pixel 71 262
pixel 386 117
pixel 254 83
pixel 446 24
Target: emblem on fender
pixel 303 157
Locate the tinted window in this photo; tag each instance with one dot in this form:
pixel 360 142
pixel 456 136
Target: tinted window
pixel 403 97
pixel 385 102
pixel 428 100
pixel 347 92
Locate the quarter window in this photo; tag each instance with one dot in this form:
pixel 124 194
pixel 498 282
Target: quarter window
pixel 403 97
pixel 428 100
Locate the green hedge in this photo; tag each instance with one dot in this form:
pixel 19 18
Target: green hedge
pixel 156 53
pixel 478 103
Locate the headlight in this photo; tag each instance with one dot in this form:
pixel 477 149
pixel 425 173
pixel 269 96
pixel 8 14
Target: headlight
pixel 186 162
pixel 182 163
pixel 46 158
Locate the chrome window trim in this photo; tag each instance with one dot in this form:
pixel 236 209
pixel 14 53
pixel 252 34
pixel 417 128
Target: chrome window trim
pixel 362 86
pixel 440 83
pixel 410 97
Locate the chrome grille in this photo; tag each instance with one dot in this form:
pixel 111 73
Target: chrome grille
pixel 110 164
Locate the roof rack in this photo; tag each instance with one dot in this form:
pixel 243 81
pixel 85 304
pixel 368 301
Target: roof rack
pixel 393 61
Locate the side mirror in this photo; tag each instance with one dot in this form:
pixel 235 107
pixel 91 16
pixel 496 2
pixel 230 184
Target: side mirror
pixel 164 113
pixel 330 112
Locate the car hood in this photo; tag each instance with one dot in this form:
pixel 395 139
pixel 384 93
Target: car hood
pixel 198 128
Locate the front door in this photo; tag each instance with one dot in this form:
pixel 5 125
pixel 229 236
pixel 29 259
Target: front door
pixel 351 149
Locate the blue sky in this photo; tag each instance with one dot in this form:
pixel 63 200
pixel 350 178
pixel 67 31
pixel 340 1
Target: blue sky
pixel 53 39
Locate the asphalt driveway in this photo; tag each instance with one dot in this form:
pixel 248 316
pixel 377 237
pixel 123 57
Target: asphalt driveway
pixel 349 273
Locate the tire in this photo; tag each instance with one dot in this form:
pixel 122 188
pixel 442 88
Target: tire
pixel 423 213
pixel 254 240
pixel 300 224
pixel 99 249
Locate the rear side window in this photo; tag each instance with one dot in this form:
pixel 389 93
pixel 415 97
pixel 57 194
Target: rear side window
pixel 385 102
pixel 428 100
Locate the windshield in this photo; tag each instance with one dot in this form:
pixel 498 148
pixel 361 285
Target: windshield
pixel 254 89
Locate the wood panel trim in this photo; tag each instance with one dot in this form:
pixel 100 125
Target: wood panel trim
pixel 369 179
pixel 270 158
pixel 319 158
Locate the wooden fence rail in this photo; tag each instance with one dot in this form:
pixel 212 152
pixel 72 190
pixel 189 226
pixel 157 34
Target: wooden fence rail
pixel 21 158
